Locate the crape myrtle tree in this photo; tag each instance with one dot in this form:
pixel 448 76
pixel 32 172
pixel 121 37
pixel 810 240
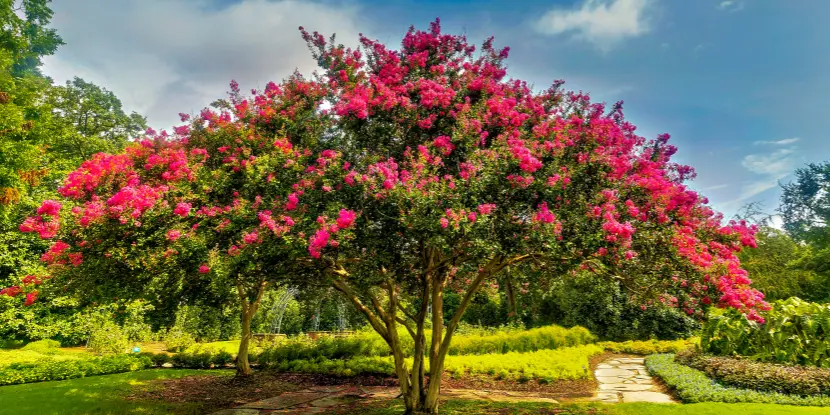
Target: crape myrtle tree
pixel 212 206
pixel 456 173
pixel 428 171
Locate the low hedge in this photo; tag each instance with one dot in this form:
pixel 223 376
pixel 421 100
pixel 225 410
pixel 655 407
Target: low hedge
pixel 647 347
pixel 744 373
pixel 693 386
pixel 52 369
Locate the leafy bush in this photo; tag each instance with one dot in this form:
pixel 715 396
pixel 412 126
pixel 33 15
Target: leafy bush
pixel 371 365
pixel 743 373
pixel 647 347
pixel 795 332
pixel 693 386
pixel 43 346
pixel 366 343
pixel 203 360
pixel 543 365
pixel 551 337
pixel 52 369
pixel 603 307
pixel 178 340
pixel 108 337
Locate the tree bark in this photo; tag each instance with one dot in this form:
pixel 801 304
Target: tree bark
pixel 249 309
pixel 243 366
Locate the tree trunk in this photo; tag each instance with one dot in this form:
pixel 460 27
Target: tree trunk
pixel 249 309
pixel 510 294
pixel 243 366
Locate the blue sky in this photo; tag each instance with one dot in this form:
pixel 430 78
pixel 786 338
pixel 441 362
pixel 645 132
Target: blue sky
pixel 742 86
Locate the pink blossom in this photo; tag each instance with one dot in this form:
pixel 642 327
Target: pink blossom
pixel 204 269
pixel 182 209
pixel 173 234
pixel 49 207
pixel 346 219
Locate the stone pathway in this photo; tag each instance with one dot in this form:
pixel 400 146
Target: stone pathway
pixel 322 400
pixel 625 379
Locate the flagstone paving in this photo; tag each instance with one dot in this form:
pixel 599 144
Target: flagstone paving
pixel 626 379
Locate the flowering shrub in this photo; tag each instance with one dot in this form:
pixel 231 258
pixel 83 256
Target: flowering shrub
pixel 693 386
pixel 796 332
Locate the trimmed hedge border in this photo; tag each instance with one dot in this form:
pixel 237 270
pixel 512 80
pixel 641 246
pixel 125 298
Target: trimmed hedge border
pixel 770 377
pixel 694 386
pixel 50 369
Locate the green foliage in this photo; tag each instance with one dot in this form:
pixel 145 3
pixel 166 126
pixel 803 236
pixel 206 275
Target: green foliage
pixel 692 385
pixel 771 377
pixel 603 306
pixel 647 347
pixel 366 343
pixel 543 365
pixel 51 369
pixel 201 358
pixel 782 268
pixel 796 332
pixel 108 338
pixel 361 365
pixel 505 341
pixel 43 346
pixel 362 344
pixel 177 340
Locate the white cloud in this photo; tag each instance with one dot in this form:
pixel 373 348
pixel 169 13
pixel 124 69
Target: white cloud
pixel 777 164
pixel 601 22
pixel 715 187
pixel 730 6
pixel 164 57
pixel 770 167
pixel 780 142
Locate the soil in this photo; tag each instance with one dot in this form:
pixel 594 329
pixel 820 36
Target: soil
pixel 214 393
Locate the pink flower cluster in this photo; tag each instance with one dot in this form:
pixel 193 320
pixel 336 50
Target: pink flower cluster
pixel 322 237
pixel 47 221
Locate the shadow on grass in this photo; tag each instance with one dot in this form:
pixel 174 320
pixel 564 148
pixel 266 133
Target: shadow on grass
pixel 95 395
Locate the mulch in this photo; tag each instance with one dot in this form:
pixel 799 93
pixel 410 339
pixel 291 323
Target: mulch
pixel 214 393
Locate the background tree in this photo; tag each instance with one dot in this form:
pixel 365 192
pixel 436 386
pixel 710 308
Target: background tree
pixel 39 143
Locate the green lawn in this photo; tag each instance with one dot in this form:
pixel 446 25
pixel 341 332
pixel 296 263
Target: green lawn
pixel 93 395
pixel 465 407
pixel 106 395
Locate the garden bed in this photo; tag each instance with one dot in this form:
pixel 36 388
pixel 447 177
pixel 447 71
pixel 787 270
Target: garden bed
pixel 692 385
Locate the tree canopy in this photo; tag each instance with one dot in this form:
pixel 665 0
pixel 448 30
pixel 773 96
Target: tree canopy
pixel 430 171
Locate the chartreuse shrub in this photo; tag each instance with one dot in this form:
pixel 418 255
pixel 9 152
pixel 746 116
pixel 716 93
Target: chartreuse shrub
pixel 43 346
pixel 541 365
pixel 795 332
pixel 52 369
pixel 367 343
pixel 772 377
pixel 542 338
pixel 694 386
pixel 647 347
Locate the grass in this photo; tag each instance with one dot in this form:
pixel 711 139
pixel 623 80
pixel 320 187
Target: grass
pixel 94 395
pixel 467 407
